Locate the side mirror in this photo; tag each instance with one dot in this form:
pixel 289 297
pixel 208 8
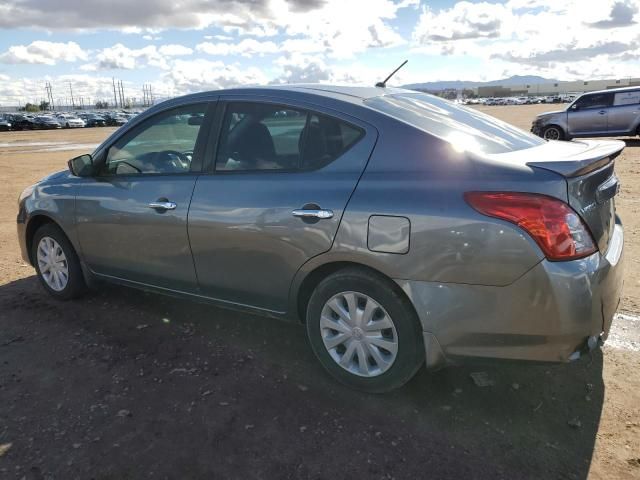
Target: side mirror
pixel 81 166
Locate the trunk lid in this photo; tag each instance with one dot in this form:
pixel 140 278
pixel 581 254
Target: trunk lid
pixel 588 167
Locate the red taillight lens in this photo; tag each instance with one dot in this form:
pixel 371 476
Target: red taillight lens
pixel 554 225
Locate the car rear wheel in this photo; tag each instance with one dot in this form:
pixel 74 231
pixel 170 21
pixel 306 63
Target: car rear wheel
pixel 364 331
pixel 57 263
pixel 553 133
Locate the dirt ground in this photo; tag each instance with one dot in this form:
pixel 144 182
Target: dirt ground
pixel 127 385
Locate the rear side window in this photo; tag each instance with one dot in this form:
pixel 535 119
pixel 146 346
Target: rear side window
pixel 258 136
pixel 465 128
pixel 626 98
pixel 594 100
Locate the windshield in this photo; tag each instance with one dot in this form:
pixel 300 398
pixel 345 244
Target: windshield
pixel 465 128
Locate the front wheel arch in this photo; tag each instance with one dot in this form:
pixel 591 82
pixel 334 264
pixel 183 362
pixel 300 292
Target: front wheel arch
pixel 33 225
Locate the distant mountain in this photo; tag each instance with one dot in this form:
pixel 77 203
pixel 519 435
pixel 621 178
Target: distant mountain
pixel 461 84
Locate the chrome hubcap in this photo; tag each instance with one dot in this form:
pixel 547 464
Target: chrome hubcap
pixel 358 334
pixel 52 263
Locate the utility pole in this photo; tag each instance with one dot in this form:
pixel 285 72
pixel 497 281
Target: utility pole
pixel 121 90
pixel 144 94
pixel 49 95
pixel 115 99
pixel 73 104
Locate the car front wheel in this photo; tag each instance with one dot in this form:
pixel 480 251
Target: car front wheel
pixel 553 133
pixel 57 264
pixel 364 331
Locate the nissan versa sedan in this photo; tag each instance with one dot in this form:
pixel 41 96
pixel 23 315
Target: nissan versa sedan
pixel 400 228
pixel 607 113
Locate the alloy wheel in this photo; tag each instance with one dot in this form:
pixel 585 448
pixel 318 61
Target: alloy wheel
pixel 552 133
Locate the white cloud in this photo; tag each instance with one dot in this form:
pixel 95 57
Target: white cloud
pixel 560 39
pixel 42 52
pixel 247 47
pixel 464 20
pixel 174 50
pixel 120 57
pixel 197 75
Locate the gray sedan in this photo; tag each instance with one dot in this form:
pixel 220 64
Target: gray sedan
pixel 400 228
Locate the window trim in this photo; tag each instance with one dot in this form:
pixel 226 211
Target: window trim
pixel 198 149
pixel 223 105
pixel 589 95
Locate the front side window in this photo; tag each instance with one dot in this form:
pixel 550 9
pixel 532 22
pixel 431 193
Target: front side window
pixel 162 144
pixel 259 136
pixel 596 100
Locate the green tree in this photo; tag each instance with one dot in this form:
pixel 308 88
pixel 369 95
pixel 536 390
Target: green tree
pixel 30 107
pixel 44 105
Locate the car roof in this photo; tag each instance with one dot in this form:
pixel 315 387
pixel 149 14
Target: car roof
pixel 348 93
pixel 615 90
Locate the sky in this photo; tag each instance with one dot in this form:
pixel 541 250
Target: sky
pixel 183 46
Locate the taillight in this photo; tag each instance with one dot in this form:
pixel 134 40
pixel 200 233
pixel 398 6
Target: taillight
pixel 554 225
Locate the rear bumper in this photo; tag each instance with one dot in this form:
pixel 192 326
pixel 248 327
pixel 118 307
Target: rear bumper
pixel 548 314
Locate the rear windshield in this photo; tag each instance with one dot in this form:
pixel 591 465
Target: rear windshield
pixel 465 128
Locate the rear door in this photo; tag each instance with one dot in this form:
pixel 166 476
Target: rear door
pixel 624 115
pixel 282 176
pixel 589 114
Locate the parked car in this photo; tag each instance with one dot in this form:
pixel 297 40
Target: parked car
pixel 114 119
pixel 5 124
pixel 93 120
pixel 400 228
pixel 606 113
pixel 21 122
pixel 45 122
pixel 70 121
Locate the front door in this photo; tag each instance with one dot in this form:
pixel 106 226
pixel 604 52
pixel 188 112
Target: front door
pixel 589 114
pixel 283 176
pixel 132 216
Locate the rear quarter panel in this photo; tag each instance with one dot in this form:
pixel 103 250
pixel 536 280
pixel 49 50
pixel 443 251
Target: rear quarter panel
pixel 414 175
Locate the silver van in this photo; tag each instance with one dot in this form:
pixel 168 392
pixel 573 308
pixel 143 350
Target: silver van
pixel 606 113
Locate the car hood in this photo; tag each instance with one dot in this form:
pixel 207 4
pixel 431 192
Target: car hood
pixel 54 176
pixel 550 114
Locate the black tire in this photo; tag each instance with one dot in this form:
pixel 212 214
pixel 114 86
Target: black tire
pixel 76 285
pixel 410 354
pixel 553 132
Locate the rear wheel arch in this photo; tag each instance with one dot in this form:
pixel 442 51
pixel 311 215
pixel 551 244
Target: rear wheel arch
pixel 317 275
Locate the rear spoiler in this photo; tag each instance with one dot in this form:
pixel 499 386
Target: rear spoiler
pixel 597 154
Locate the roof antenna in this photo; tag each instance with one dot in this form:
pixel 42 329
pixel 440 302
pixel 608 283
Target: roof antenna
pixel 384 83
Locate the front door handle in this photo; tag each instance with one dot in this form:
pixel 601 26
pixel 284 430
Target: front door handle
pixel 166 205
pixel 602 112
pixel 313 213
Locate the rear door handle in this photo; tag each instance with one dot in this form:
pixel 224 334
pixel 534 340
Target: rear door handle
pixel 163 205
pixel 312 213
pixel 602 112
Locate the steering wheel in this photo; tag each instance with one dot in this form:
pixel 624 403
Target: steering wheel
pixel 177 160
